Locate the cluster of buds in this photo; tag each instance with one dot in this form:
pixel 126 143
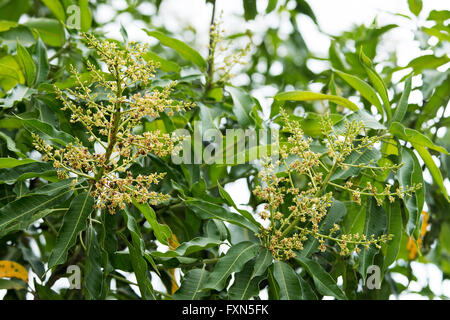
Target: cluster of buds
pixel 110 124
pixel 221 60
pixel 295 212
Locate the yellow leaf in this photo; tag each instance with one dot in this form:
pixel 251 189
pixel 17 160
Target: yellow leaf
pixel 173 244
pixel 411 245
pixel 11 269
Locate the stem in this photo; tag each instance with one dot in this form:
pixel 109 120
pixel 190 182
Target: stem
pixel 112 139
pixel 211 51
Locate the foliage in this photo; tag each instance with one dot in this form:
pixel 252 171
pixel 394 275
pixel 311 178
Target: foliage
pixel 88 130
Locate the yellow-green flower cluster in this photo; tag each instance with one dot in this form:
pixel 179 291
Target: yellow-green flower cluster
pixel 291 225
pixel 110 125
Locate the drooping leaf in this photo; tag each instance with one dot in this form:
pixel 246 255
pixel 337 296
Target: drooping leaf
pixel 375 224
pixel 10 72
pixel 93 280
pixel 191 285
pixel 46 131
pixel 233 261
pixel 325 284
pixel 414 136
pixel 86 15
pixel 363 88
pixel 162 231
pixel 56 8
pixel 194 245
pixel 402 105
pixel 246 283
pixel 312 96
pixel 74 222
pixel 415 6
pixel 18 94
pixel 242 106
pixel 249 9
pixel 26 171
pixel 207 210
pixel 27 64
pixel 377 83
pixel 431 165
pixel 42 67
pixel 395 228
pixel 165 65
pixel 427 62
pixel 409 175
pixel 182 48
pixel 50 30
pixel 288 281
pixel 18 210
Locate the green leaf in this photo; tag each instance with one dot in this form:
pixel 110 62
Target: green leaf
pixel 74 222
pixel 164 65
pixel 50 30
pixel 414 136
pixel 25 171
pixel 42 67
pixel 363 88
pixel 395 227
pixel 250 10
pixel 22 208
pixel 408 175
pixel 27 64
pixel 402 105
pixel 375 224
pixel 288 281
pixel 325 284
pixel 162 231
pixel 233 261
pixel 242 106
pixel 11 145
pixel 10 73
pixel 47 132
pixel 183 49
pixel 434 170
pixel 45 293
pixel 207 210
pixel 415 6
pixel 56 8
pixel 246 283
pixel 439 98
pixel 140 269
pixel 86 15
pixel 377 82
pixel 224 194
pixel 6 25
pixel 427 62
pixel 18 94
pixel 271 5
pixel 93 279
pixel 35 262
pixel 312 96
pixel 307 292
pixel 186 248
pixel 191 285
